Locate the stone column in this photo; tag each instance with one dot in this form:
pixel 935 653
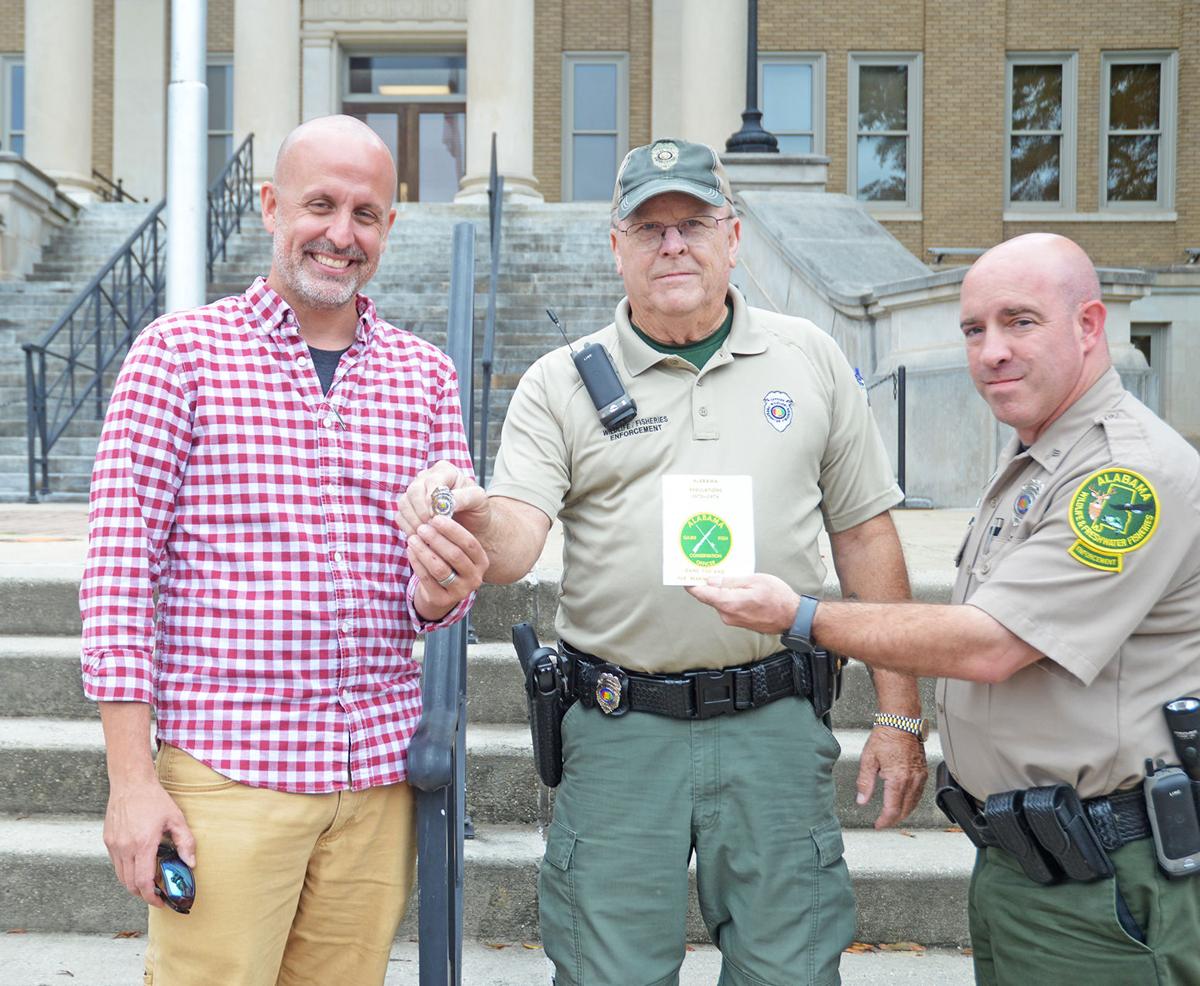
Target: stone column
pixel 266 77
pixel 500 99
pixel 139 96
pixel 667 80
pixel 320 65
pixel 712 43
pixel 58 92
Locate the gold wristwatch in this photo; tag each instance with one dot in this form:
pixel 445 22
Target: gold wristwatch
pixel 906 724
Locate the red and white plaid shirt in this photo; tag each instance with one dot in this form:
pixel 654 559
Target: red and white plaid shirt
pixel 279 649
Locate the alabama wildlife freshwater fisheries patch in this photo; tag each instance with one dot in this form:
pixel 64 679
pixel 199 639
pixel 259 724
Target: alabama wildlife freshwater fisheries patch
pixel 1112 512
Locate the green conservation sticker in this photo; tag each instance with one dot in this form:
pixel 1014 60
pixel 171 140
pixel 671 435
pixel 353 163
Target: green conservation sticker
pixel 1112 512
pixel 705 539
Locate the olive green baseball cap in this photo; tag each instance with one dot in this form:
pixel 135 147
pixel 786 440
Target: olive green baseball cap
pixel 669 165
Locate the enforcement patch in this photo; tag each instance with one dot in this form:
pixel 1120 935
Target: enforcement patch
pixel 777 406
pixel 1029 493
pixel 665 155
pixel 608 693
pixel 1112 512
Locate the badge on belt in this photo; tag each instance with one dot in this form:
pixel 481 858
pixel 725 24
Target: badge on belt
pixel 612 691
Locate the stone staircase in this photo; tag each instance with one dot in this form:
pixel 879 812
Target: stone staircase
pixel 28 309
pixel 553 256
pixel 55 876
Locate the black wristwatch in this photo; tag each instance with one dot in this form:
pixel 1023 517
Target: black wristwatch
pixel 799 637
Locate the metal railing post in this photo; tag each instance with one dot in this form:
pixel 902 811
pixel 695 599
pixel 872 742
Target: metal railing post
pixel 31 422
pixel 901 422
pixel 437 753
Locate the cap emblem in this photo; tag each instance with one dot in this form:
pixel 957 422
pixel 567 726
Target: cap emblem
pixel 665 155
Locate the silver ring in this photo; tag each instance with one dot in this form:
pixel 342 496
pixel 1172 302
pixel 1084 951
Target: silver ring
pixel 445 583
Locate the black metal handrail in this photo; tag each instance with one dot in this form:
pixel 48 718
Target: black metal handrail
pixel 101 321
pixel 495 216
pixel 437 754
pixel 228 196
pixel 93 333
pixel 899 380
pixel 113 191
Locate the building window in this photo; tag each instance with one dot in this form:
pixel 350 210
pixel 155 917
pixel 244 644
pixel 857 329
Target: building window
pixel 1041 131
pixel 792 91
pixel 1137 155
pixel 595 123
pixel 219 76
pixel 12 104
pixel 884 167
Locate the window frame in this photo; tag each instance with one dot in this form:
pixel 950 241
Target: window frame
pixel 349 52
pixel 8 62
pixel 569 60
pixel 1168 126
pixel 1068 149
pixel 910 208
pixel 815 59
pixel 219 59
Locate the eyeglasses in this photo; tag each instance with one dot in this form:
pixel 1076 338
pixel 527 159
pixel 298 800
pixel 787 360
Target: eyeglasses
pixel 174 882
pixel 696 229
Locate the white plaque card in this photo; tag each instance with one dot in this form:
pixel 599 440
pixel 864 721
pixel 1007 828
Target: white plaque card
pixel 708 528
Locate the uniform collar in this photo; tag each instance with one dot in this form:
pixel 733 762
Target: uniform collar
pixel 744 337
pixel 270 314
pixel 1053 445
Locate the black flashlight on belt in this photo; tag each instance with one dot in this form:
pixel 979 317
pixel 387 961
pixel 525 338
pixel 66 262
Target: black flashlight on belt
pixel 1183 719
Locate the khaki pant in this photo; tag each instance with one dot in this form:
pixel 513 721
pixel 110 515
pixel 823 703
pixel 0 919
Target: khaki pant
pixel 1139 929
pixel 290 888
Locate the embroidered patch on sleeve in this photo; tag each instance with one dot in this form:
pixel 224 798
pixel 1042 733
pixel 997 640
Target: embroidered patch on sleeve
pixel 1112 512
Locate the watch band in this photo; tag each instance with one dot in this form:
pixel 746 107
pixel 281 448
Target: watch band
pixel 906 724
pixel 799 636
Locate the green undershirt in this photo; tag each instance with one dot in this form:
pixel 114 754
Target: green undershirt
pixel 696 353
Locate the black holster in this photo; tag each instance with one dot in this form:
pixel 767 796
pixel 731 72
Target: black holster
pixel 546 693
pixel 1045 829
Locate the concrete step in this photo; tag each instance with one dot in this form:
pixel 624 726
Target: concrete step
pixel 55 876
pixel 39 678
pixel 56 766
pixel 33 959
pixel 44 601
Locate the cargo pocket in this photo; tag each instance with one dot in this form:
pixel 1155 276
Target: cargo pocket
pixel 833 911
pixel 556 906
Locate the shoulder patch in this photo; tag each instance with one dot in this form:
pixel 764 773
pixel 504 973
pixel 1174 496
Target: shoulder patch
pixel 1112 512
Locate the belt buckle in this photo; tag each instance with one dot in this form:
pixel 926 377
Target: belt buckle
pixel 714 692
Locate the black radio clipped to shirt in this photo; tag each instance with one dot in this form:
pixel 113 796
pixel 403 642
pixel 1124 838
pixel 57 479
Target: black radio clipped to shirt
pixel 613 405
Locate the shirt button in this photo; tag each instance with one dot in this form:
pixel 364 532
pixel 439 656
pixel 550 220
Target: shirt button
pixel 704 412
pixel 337 556
pixel 329 422
pixel 302 360
pixel 991 503
pixel 985 567
pixel 345 626
pixel 331 490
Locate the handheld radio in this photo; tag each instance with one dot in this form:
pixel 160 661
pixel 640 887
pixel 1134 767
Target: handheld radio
pixel 614 407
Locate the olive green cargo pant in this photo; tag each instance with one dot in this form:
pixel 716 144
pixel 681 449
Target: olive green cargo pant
pixel 1140 929
pixel 750 794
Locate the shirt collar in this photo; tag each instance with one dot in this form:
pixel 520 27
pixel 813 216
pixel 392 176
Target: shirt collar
pixel 1060 437
pixel 744 337
pixel 271 313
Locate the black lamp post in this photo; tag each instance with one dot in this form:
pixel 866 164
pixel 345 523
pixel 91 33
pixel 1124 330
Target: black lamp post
pixel 752 138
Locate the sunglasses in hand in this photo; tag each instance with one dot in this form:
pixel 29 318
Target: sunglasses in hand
pixel 174 882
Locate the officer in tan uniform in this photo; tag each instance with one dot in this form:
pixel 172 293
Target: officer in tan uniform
pixel 1081 571
pixel 661 760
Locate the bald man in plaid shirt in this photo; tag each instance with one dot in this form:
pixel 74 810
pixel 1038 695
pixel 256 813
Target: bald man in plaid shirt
pixel 247 582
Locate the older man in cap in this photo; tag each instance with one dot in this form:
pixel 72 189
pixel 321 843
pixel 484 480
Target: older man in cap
pixel 686 736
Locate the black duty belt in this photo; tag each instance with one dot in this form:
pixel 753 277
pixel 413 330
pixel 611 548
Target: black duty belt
pixel 699 694
pixel 1050 831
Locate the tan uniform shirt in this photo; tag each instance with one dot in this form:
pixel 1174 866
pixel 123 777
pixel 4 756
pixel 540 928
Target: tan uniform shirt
pixel 1087 547
pixel 819 454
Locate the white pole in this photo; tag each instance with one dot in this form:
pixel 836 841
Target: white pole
pixel 187 156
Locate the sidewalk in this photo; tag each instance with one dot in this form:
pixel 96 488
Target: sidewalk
pixel 94 960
